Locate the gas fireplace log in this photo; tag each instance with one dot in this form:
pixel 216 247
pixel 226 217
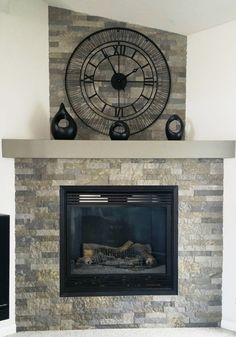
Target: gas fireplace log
pixel 90 249
pixel 145 252
pixel 128 255
pixel 123 263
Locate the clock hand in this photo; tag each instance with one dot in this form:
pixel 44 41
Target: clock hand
pixel 118 63
pixel 111 65
pixel 133 71
pixel 118 98
pixel 108 57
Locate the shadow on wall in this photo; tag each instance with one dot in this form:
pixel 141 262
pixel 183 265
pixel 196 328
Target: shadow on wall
pixel 39 118
pixel 189 130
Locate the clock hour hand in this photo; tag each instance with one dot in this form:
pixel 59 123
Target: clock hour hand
pixel 119 80
pixel 133 71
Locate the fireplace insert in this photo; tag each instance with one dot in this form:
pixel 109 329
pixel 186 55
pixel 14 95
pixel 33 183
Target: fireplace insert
pixel 118 240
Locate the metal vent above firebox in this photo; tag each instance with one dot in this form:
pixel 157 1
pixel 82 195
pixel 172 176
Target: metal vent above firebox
pixel 78 198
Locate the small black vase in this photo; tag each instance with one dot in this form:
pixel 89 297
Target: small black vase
pixel 119 131
pixel 67 132
pixel 174 135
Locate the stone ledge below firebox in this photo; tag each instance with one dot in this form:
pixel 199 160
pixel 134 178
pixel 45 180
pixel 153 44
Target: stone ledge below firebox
pixel 29 148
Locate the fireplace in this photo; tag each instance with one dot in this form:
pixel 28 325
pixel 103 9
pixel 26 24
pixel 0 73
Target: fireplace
pixel 40 307
pixel 118 240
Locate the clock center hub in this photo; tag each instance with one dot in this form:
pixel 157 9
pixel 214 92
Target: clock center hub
pixel 119 81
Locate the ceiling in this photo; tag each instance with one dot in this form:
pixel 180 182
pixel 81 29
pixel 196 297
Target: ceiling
pixel 179 16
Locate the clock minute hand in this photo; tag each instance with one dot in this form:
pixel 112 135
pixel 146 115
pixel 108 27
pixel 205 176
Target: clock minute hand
pixel 133 71
pixel 111 65
pixel 108 57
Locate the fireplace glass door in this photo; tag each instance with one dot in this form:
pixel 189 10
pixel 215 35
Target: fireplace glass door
pixel 118 240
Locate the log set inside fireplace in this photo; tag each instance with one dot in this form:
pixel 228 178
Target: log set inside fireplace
pixel 118 240
pixel 130 255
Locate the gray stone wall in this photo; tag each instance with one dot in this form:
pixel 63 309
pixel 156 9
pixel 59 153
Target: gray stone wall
pixel 67 29
pixel 38 304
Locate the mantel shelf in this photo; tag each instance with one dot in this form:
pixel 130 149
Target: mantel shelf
pixel 29 148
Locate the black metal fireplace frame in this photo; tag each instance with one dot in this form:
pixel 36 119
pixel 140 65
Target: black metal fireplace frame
pixel 120 284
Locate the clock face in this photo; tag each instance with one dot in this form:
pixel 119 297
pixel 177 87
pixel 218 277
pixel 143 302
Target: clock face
pixel 117 74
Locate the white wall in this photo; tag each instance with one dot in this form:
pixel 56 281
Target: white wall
pixel 211 114
pixel 24 98
pixel 211 84
pixel 175 16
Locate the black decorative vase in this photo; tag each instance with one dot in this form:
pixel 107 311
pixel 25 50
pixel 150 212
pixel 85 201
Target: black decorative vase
pixel 119 131
pixel 63 132
pixel 174 134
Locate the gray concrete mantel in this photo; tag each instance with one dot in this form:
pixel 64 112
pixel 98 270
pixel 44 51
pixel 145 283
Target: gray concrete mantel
pixel 32 148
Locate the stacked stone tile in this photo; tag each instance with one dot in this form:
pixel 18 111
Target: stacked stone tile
pixel 38 304
pixel 67 29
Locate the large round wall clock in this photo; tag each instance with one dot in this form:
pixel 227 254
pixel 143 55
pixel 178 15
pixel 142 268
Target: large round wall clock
pixel 117 74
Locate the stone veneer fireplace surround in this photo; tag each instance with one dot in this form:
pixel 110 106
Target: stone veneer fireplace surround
pixel 38 304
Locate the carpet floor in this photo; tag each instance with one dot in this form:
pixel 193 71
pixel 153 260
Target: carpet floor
pixel 158 332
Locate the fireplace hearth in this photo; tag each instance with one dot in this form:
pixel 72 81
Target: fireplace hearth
pixel 118 240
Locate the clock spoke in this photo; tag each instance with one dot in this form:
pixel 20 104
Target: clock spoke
pixel 100 80
pixel 109 81
pixel 118 63
pixel 118 98
pixel 141 81
pixel 118 54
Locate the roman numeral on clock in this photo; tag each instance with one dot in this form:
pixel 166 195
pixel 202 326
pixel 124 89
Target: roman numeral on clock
pixel 93 65
pixel 119 112
pixel 149 81
pixel 145 65
pixel 104 106
pixel 134 53
pixel 104 53
pixel 88 78
pixel 119 49
pixel 144 97
pixel 135 110
pixel 93 95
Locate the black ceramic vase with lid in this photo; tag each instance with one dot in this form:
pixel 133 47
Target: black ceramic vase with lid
pixel 119 130
pixel 172 134
pixel 63 132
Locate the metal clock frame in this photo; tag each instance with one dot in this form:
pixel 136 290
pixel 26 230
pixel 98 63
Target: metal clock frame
pixel 76 87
